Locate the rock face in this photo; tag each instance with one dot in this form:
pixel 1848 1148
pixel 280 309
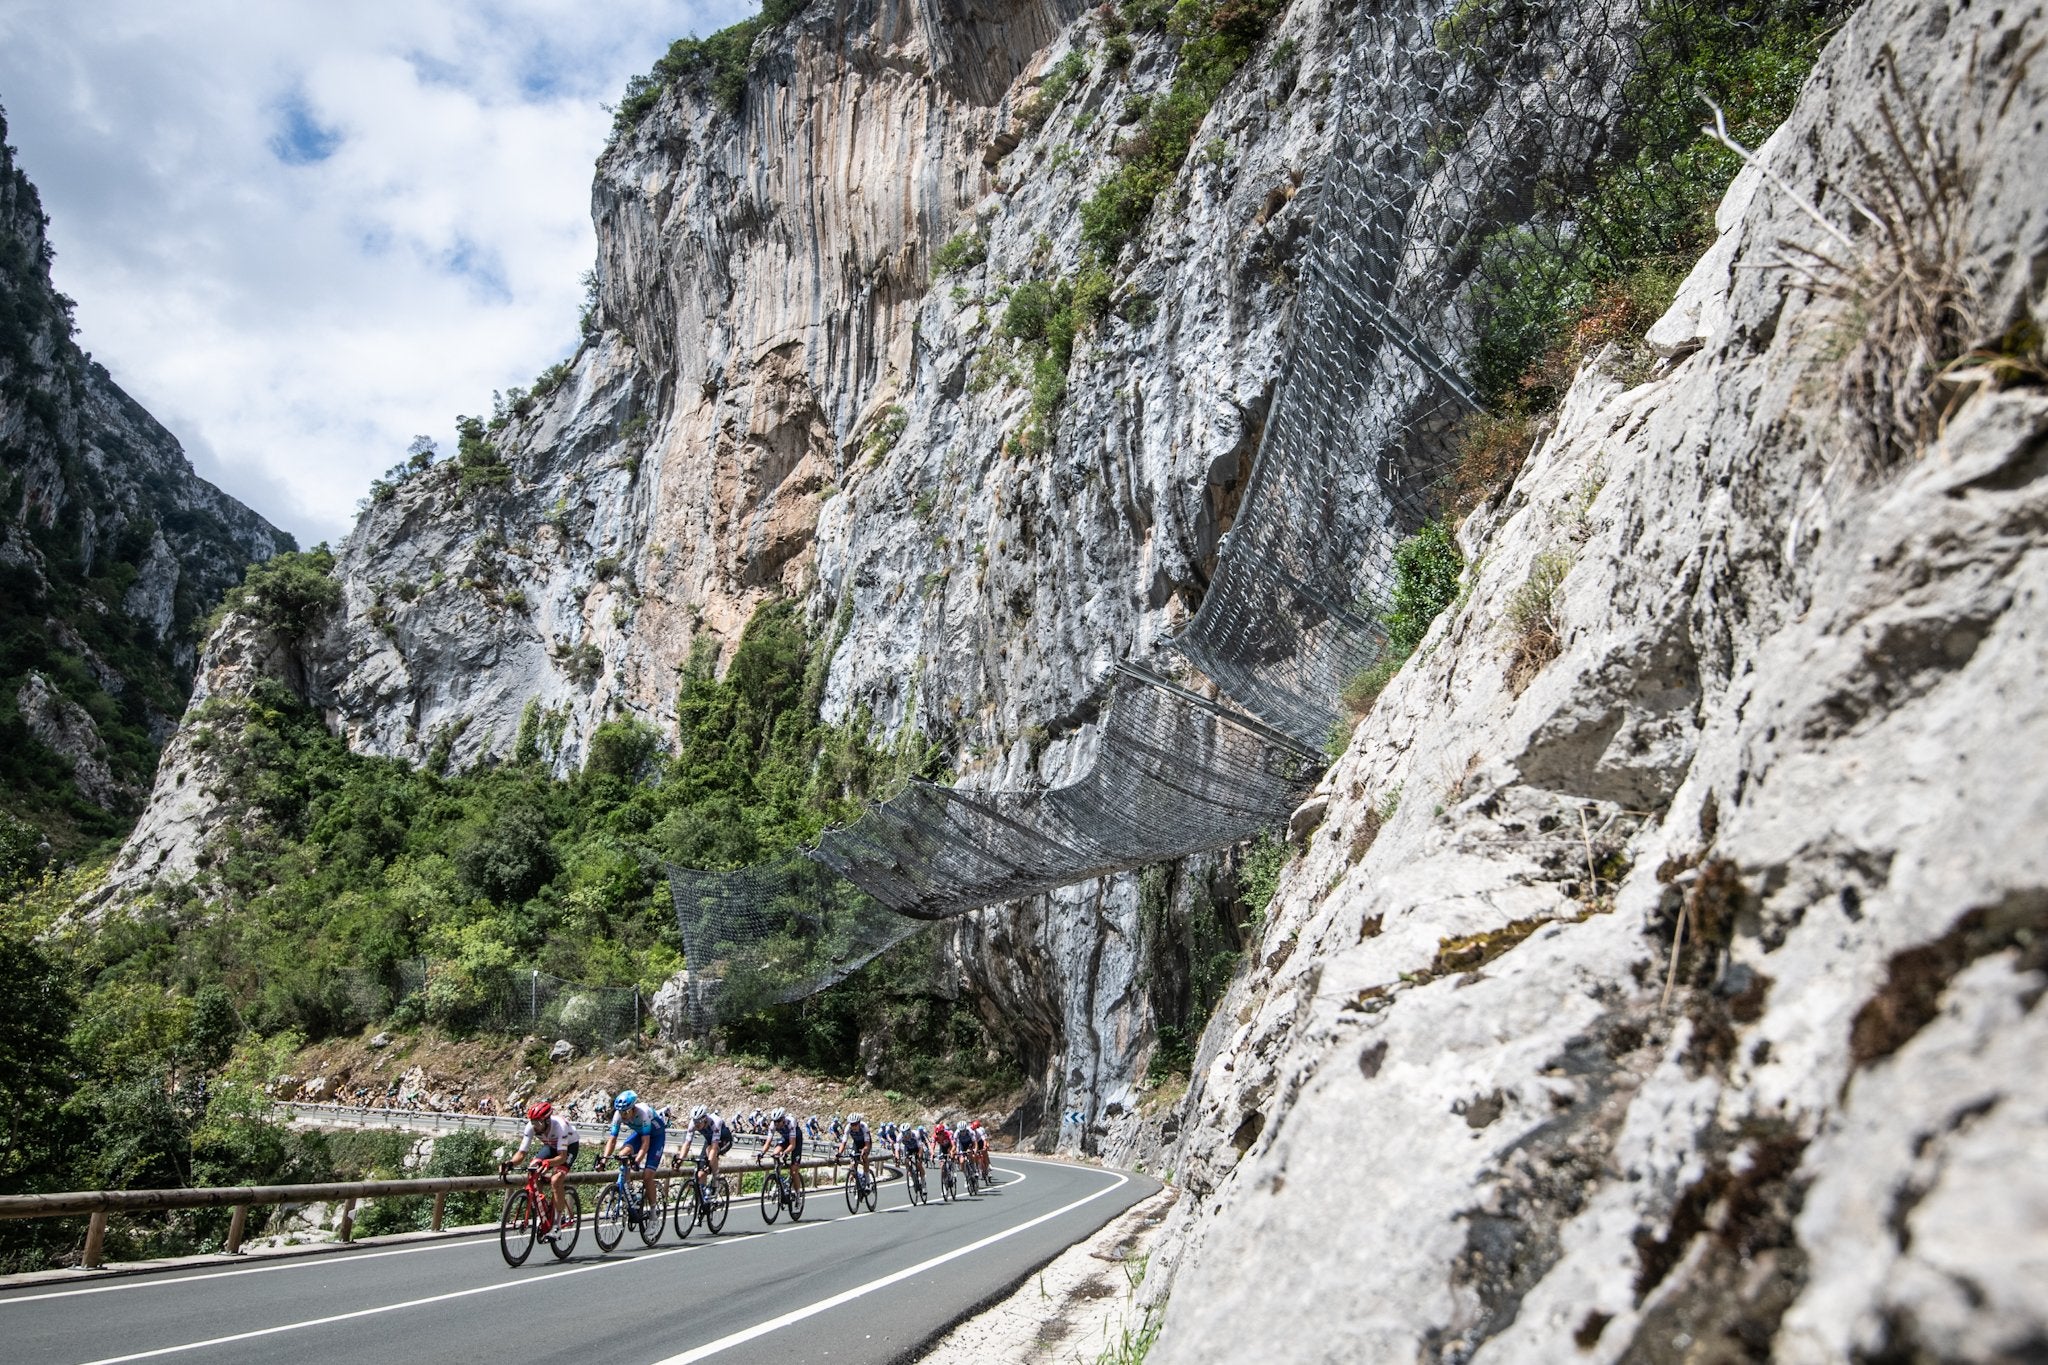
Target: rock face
pixel 776 398
pixel 111 549
pixel 1664 990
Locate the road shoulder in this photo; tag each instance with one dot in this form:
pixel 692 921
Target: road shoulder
pixel 1078 1305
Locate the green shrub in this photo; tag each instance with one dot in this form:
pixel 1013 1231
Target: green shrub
pixel 477 461
pixel 1426 569
pixel 961 251
pixel 289 594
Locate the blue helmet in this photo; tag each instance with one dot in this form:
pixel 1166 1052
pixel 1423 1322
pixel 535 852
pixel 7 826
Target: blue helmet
pixel 626 1100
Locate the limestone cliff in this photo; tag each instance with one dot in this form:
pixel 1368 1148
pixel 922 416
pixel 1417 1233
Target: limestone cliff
pixel 1662 980
pixel 111 549
pixel 777 397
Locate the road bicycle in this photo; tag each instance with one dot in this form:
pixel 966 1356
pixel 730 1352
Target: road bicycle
pixel 779 1192
pixel 949 1182
pixel 973 1174
pixel 527 1218
pixel 860 1189
pixel 622 1206
pixel 704 1201
pixel 913 1180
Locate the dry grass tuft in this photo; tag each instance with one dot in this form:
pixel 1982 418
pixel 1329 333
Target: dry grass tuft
pixel 1907 343
pixel 1532 612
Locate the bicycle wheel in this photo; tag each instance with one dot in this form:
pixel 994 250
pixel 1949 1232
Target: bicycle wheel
pixel 948 1190
pixel 654 1214
pixel 515 1228
pixel 771 1199
pixel 562 1240
pixel 796 1201
pixel 608 1224
pixel 853 1190
pixel 684 1204
pixel 973 1180
pixel 721 1202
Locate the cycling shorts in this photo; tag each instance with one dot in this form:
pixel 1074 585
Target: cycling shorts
pixel 549 1153
pixel 657 1142
pixel 858 1142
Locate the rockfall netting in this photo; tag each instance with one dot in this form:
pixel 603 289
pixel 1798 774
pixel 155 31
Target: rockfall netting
pixel 1448 234
pixel 500 1000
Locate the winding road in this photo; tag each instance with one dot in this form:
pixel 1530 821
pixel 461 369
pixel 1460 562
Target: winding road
pixel 870 1287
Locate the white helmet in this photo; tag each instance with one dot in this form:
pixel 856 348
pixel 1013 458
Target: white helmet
pixel 697 1113
pixel 856 1118
pixel 779 1115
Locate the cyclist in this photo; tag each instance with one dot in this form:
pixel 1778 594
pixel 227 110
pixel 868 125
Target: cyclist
pixel 645 1133
pixel 942 1138
pixel 911 1145
pixel 981 1149
pixel 786 1139
pixel 857 1133
pixel 963 1144
pixel 559 1144
pixel 717 1135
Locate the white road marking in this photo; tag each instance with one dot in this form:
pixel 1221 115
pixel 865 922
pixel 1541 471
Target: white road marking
pixel 388 1308
pixel 312 1261
pixel 740 1338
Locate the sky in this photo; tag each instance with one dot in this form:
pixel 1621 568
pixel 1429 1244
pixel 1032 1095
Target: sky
pixel 302 232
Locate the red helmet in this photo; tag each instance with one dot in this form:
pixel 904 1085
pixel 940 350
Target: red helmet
pixel 538 1113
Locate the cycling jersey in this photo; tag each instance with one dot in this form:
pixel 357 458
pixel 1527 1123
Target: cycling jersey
pixel 560 1136
pixel 857 1136
pixel 787 1132
pixel 942 1138
pixel 643 1122
pixel 715 1131
pixel 964 1136
pixel 912 1143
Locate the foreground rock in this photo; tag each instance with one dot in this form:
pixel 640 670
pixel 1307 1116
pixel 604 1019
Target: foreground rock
pixel 1793 711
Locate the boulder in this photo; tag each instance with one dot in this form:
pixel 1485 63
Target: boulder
pixel 562 1051
pixel 382 1040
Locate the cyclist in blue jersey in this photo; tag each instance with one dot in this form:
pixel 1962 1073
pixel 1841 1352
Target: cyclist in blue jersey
pixel 644 1133
pixel 786 1139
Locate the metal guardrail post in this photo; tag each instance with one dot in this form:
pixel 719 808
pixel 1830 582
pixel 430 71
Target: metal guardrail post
pixel 347 1231
pixel 237 1225
pixel 440 1207
pixel 95 1240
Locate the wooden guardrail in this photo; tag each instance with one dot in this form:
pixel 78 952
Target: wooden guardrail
pixel 100 1203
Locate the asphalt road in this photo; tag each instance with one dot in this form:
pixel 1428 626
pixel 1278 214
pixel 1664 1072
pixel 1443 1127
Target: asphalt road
pixel 837 1288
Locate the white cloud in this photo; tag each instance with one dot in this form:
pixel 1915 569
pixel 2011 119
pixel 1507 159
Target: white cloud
pixel 301 232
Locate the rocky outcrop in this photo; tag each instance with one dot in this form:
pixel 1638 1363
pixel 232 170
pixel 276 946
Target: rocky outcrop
pixel 1660 981
pixel 65 728
pixel 111 549
pixel 777 398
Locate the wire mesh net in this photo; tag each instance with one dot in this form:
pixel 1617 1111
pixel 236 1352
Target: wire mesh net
pixel 1448 232
pixel 499 1000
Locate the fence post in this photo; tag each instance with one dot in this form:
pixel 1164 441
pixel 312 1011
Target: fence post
pixel 533 998
pixel 95 1240
pixel 440 1207
pixel 347 1230
pixel 636 1013
pixel 237 1225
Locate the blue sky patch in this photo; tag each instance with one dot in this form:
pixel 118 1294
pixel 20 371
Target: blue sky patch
pixel 301 140
pixel 481 267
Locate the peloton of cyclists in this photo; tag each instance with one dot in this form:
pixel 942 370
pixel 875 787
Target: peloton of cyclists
pixel 644 1133
pixel 558 1145
pixel 786 1139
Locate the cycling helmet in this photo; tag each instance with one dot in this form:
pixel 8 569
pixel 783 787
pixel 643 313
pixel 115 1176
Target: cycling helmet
pixel 856 1118
pixel 626 1100
pixel 976 1125
pixel 539 1112
pixel 778 1116
pixel 697 1113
